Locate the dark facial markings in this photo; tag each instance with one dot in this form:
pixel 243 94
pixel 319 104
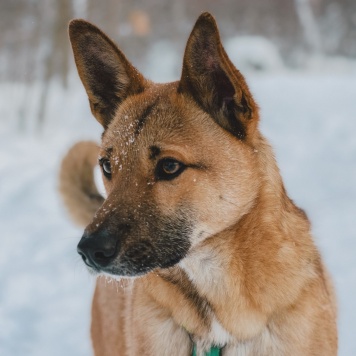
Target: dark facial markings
pixel 142 120
pixel 155 151
pixel 108 150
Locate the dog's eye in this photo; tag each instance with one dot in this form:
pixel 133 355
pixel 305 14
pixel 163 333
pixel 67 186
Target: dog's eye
pixel 106 167
pixel 169 168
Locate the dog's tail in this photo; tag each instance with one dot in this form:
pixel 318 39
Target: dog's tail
pixel 77 184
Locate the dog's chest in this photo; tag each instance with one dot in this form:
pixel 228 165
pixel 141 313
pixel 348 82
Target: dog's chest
pixel 264 344
pixel 218 335
pixel 206 271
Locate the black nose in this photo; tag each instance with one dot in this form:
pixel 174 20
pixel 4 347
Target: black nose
pixel 98 249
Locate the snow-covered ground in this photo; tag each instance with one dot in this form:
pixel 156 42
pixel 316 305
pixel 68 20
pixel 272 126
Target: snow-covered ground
pixel 45 291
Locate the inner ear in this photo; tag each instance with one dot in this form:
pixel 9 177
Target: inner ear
pixel 108 77
pixel 212 80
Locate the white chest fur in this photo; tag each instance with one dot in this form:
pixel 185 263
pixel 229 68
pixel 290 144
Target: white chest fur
pixel 206 272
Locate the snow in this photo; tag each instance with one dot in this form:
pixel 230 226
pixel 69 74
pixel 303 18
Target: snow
pixel 45 291
pixel 253 53
pixel 164 53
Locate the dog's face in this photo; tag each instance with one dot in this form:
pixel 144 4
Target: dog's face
pixel 177 159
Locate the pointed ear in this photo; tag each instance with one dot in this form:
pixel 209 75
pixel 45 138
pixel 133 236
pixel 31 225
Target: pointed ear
pixel 108 77
pixel 211 79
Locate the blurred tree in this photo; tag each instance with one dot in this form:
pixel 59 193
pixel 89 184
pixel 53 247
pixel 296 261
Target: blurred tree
pixel 56 61
pixel 34 45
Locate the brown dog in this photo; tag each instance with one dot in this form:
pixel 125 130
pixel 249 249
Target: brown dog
pixel 196 208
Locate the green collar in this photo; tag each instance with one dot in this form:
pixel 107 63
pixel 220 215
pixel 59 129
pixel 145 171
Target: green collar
pixel 214 351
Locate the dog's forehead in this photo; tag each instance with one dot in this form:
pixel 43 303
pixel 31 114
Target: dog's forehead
pixel 153 116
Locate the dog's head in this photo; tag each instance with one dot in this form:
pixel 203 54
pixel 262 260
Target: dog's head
pixel 177 159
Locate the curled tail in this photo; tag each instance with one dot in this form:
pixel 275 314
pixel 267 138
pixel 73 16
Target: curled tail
pixel 76 182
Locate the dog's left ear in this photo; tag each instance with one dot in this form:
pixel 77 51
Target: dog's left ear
pixel 211 79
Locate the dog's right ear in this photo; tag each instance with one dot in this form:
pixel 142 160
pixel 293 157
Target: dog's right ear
pixel 108 77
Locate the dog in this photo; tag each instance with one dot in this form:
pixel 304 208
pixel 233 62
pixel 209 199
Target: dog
pixel 211 255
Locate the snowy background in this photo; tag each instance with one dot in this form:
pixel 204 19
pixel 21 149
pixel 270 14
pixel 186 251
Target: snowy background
pixel 308 113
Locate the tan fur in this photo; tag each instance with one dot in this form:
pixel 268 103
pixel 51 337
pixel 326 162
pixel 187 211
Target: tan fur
pixel 76 182
pixel 252 280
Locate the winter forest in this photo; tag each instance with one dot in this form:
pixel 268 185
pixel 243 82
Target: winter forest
pixel 298 57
